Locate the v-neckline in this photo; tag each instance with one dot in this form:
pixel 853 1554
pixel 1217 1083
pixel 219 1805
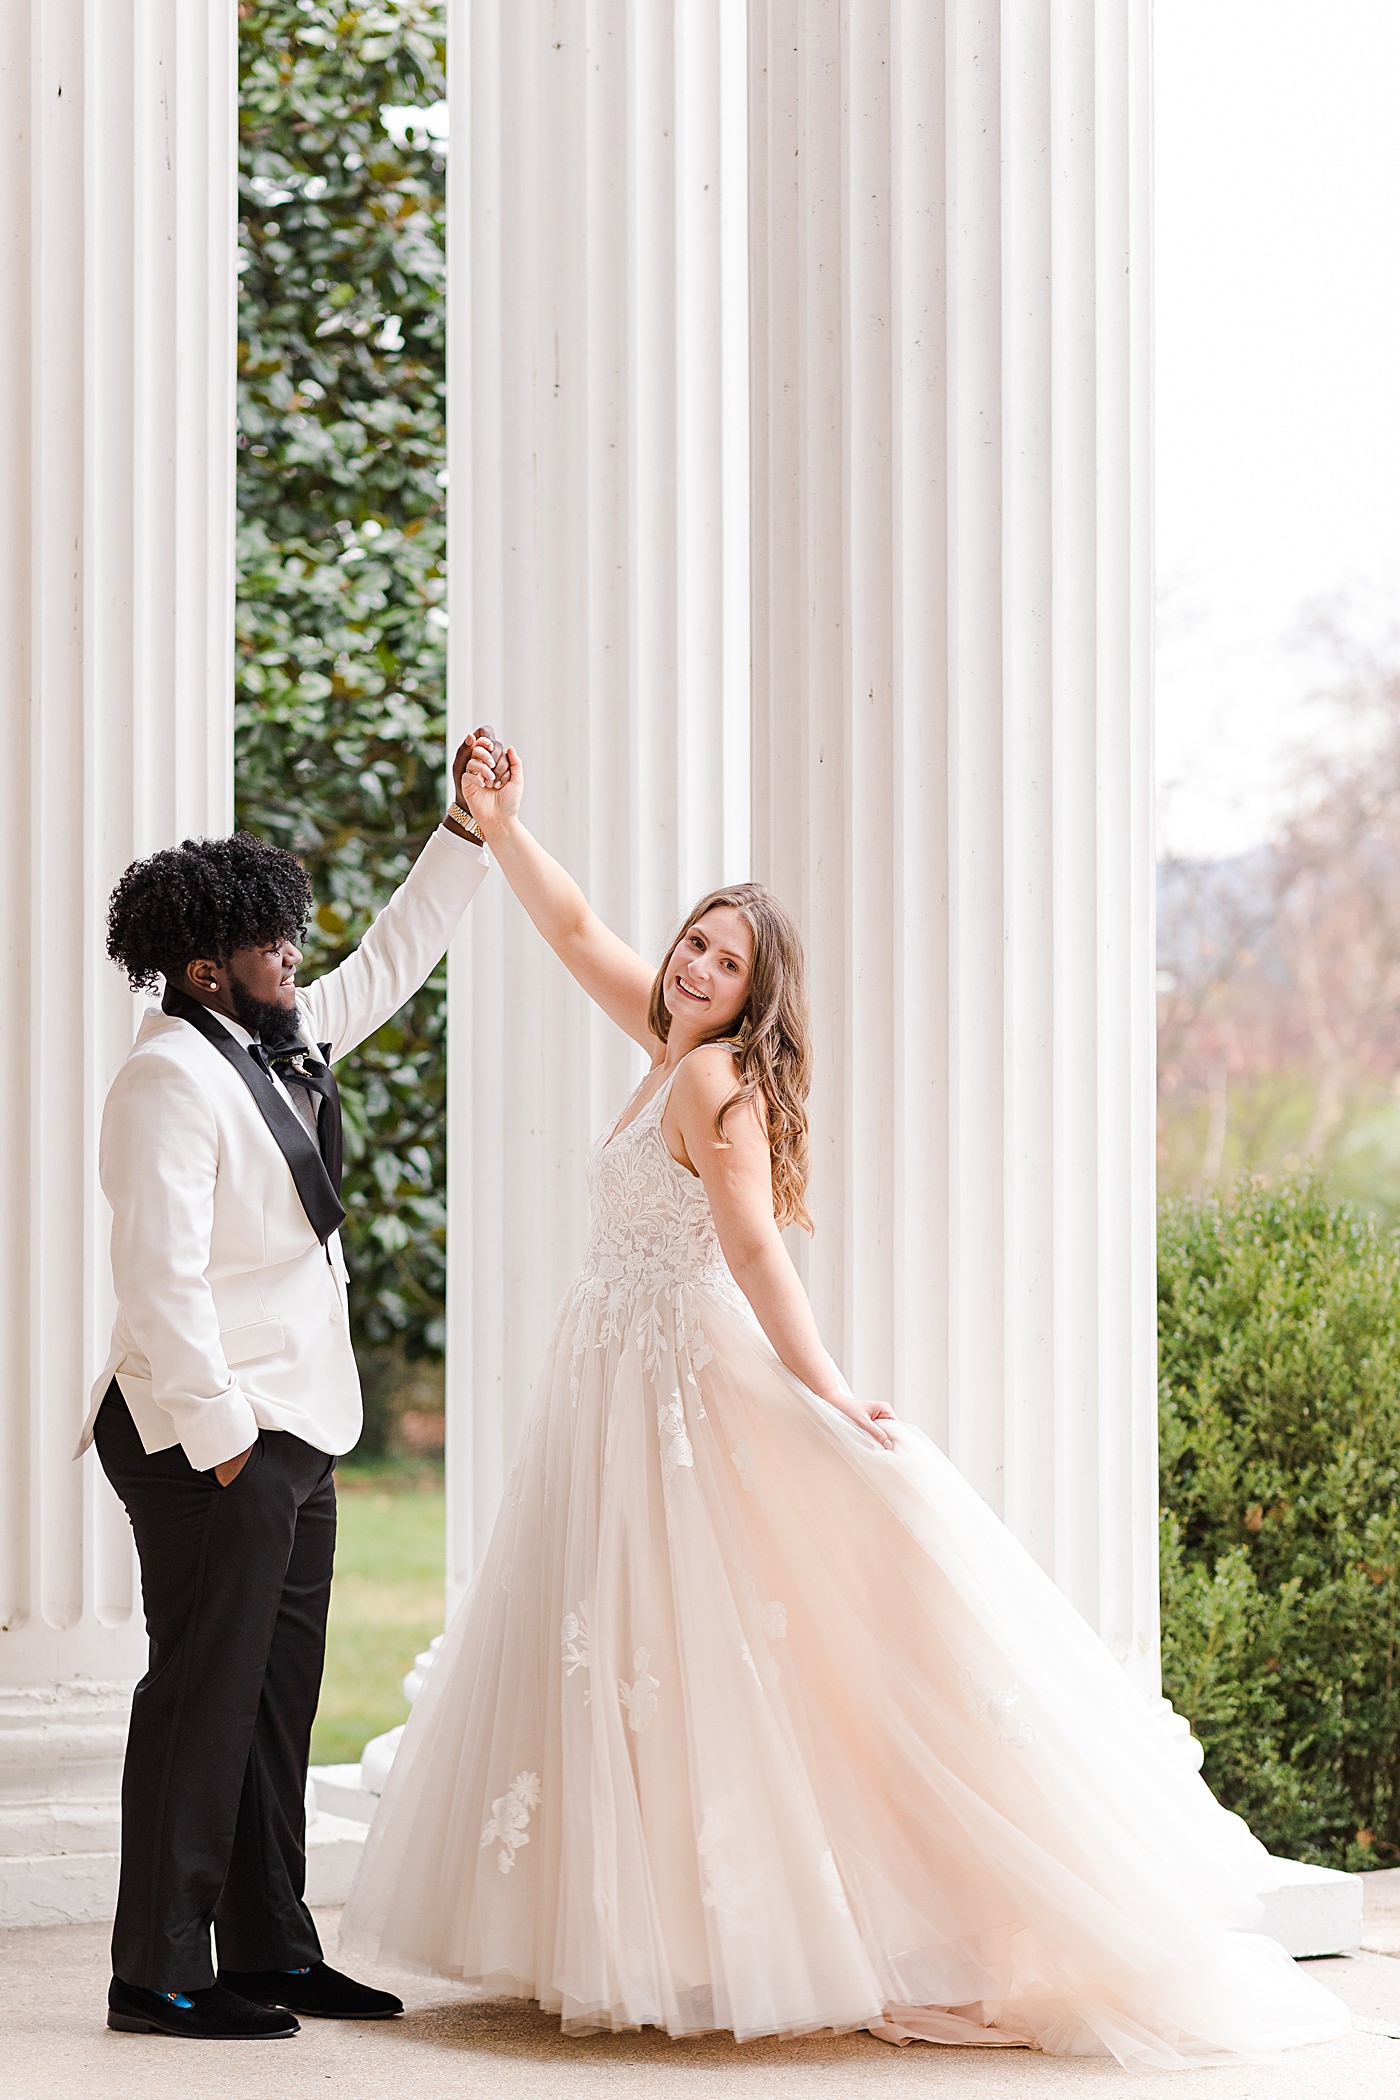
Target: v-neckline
pixel 619 1128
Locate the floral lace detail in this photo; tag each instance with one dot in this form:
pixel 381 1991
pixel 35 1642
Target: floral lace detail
pixel 510 1818
pixel 992 1705
pixel 772 1617
pixel 573 1641
pixel 744 1467
pixel 675 1443
pixel 651 1225
pixel 640 1697
pixel 699 1353
pixel 697 1348
pixel 651 1340
pixel 764 1670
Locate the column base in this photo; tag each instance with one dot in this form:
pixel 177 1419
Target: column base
pixel 1312 1910
pixel 61 1888
pixel 353 1791
pixel 61 1750
pixel 1309 1910
pixel 80 1888
pixel 1179 1729
pixel 333 1846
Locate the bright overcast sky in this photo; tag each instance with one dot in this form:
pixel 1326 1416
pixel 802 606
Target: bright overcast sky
pixel 1278 382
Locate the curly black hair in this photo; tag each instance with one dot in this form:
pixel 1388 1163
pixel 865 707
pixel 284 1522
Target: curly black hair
pixel 206 897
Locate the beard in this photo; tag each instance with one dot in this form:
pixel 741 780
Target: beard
pixel 269 1023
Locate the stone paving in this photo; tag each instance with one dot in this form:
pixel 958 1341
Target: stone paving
pixel 54 2046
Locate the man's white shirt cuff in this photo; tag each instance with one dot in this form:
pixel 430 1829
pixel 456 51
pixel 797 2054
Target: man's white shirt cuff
pixel 221 1430
pixel 455 839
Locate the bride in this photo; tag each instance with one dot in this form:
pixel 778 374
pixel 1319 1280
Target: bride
pixel 756 1718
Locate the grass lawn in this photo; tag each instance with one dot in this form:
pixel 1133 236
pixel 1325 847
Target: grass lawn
pixel 386 1602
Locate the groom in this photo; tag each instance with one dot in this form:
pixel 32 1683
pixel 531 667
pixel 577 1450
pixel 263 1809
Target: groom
pixel 230 1388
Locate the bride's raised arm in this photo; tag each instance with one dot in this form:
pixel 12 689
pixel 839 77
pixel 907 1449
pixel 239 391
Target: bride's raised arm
pixel 736 1167
pixel 610 972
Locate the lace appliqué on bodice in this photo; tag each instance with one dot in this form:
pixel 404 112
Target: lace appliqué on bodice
pixel 651 1226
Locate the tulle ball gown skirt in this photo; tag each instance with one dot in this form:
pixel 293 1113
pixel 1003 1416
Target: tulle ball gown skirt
pixel 750 1725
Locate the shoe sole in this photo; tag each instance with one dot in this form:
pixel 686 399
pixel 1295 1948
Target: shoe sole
pixel 309 2012
pixel 131 2023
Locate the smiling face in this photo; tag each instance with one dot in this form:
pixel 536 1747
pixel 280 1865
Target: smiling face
pixel 267 975
pixel 707 974
pixel 256 986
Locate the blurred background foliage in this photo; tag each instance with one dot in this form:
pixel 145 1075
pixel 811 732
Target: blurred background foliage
pixel 1279 969
pixel 341 623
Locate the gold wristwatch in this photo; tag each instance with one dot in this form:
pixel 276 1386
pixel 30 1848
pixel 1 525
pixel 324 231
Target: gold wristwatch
pixel 466 823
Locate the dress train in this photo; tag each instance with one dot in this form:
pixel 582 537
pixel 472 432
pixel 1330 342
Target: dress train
pixel 749 1724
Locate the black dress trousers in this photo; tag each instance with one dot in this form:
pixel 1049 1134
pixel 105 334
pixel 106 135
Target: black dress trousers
pixel 236 1585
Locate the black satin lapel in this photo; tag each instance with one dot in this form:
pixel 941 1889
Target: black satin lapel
pixel 324 1210
pixel 331 1124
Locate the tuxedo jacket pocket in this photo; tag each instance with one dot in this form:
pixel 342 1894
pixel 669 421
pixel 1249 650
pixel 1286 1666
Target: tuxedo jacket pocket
pixel 244 1345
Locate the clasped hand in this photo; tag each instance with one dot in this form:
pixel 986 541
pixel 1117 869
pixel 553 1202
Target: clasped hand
pixel 492 783
pixel 481 761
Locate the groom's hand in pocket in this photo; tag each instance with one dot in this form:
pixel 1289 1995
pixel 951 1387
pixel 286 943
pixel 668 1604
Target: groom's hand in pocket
pixel 228 1469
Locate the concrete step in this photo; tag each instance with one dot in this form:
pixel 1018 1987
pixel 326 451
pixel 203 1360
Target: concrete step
pixel 333 1847
pixel 340 1790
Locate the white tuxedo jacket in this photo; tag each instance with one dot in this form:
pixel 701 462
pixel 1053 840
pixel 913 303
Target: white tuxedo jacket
pixel 231 1315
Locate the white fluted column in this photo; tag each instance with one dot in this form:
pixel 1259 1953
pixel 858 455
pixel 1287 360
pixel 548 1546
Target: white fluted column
pixel 117 282
pixel 599 598
pixel 952 759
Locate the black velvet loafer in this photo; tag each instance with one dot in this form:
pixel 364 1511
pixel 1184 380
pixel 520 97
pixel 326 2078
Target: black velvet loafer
pixel 318 1993
pixel 211 2015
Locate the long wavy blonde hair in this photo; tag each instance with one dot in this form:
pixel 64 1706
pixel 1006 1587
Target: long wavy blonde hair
pixel 772 1037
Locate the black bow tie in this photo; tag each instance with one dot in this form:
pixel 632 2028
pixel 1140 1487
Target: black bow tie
pixel 290 1061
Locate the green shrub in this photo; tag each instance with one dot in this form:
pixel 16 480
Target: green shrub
pixel 1280 1441
pixel 341 634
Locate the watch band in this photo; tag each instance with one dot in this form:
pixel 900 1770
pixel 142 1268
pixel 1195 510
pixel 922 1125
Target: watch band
pixel 466 822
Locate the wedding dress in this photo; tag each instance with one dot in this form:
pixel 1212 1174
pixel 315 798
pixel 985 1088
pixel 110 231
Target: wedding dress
pixel 750 1724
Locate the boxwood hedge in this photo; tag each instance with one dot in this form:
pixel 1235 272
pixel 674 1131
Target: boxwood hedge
pixel 1280 1455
